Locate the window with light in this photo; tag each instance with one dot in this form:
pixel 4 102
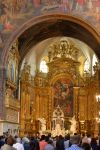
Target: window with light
pixel 94 60
pixel 86 66
pixel 43 66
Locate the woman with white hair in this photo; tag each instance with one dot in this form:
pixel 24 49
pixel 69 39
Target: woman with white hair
pixel 26 143
pixel 18 144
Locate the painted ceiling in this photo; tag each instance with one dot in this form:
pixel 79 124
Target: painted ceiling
pixel 14 13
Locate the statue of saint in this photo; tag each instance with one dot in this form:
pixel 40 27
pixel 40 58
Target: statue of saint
pixel 73 125
pixel 43 124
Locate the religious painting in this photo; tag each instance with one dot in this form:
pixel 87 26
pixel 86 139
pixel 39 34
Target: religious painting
pixel 63 96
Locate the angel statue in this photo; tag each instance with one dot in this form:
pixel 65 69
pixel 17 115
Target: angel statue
pixel 73 125
pixel 42 123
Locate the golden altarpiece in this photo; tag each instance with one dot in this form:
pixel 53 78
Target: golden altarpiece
pixel 63 91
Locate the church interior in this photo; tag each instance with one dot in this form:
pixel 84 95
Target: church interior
pixel 58 79
pixel 51 80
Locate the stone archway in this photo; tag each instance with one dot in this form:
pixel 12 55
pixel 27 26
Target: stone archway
pixel 47 26
pixel 46 21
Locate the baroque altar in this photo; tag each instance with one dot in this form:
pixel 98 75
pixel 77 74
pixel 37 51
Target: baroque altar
pixel 57 101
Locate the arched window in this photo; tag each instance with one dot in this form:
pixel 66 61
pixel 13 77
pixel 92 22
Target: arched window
pixel 86 66
pixel 12 72
pixel 94 60
pixel 43 66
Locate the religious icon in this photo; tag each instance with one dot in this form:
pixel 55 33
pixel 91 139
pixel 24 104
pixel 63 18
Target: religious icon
pixel 63 95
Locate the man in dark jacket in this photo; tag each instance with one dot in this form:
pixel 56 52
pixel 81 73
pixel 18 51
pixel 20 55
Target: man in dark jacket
pixel 34 144
pixel 60 143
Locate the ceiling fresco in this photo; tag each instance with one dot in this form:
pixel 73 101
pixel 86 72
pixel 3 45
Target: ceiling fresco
pixel 13 13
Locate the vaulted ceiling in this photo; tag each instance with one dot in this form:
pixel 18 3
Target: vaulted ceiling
pixel 54 28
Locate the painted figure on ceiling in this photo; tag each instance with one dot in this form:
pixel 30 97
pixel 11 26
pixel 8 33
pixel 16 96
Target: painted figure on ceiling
pixel 80 5
pixel 65 5
pixel 72 4
pixel 36 3
pixel 2 15
pixel 97 9
pixel 89 4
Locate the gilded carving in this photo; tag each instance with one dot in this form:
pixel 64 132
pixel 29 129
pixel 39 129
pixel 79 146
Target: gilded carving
pixel 62 86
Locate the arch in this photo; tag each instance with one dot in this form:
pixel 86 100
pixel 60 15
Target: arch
pixel 62 75
pixel 73 27
pixel 53 19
